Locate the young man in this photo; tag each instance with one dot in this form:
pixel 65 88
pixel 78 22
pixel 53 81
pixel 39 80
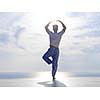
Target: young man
pixel 53 51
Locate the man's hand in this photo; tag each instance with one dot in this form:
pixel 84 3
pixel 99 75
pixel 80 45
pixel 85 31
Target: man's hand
pixel 59 21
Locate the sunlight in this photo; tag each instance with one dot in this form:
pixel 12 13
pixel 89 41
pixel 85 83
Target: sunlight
pixel 35 23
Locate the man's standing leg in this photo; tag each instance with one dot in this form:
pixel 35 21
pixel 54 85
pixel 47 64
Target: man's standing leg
pixel 55 62
pixel 47 55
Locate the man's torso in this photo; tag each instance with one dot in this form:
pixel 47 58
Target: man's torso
pixel 55 39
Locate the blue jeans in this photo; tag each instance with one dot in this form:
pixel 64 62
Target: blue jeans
pixel 54 53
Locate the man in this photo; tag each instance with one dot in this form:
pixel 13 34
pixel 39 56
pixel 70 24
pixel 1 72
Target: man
pixel 53 51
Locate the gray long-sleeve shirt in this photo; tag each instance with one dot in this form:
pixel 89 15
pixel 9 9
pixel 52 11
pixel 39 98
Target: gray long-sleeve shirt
pixel 55 38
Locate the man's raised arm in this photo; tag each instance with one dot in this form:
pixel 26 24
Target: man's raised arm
pixel 64 27
pixel 46 28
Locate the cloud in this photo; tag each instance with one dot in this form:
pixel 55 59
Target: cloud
pixel 81 43
pixel 95 49
pixel 80 63
pixel 4 38
pixel 23 41
pixel 86 34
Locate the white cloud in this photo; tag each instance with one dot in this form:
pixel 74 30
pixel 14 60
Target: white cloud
pixel 23 41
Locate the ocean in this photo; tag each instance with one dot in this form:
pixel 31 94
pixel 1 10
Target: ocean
pixel 44 79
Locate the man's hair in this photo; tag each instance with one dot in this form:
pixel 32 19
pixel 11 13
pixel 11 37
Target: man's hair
pixel 55 25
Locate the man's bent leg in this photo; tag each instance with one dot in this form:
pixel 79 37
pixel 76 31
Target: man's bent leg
pixel 46 57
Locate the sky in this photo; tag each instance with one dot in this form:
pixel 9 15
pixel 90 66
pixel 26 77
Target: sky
pixel 23 41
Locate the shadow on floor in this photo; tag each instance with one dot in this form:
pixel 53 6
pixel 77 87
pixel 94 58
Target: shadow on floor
pixel 53 83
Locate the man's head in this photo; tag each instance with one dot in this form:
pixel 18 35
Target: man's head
pixel 55 28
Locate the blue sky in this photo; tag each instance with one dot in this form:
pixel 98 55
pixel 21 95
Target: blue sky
pixel 23 41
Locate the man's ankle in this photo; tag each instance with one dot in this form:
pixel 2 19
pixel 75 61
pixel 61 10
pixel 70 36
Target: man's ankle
pixel 53 77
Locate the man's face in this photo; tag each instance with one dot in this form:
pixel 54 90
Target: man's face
pixel 55 28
